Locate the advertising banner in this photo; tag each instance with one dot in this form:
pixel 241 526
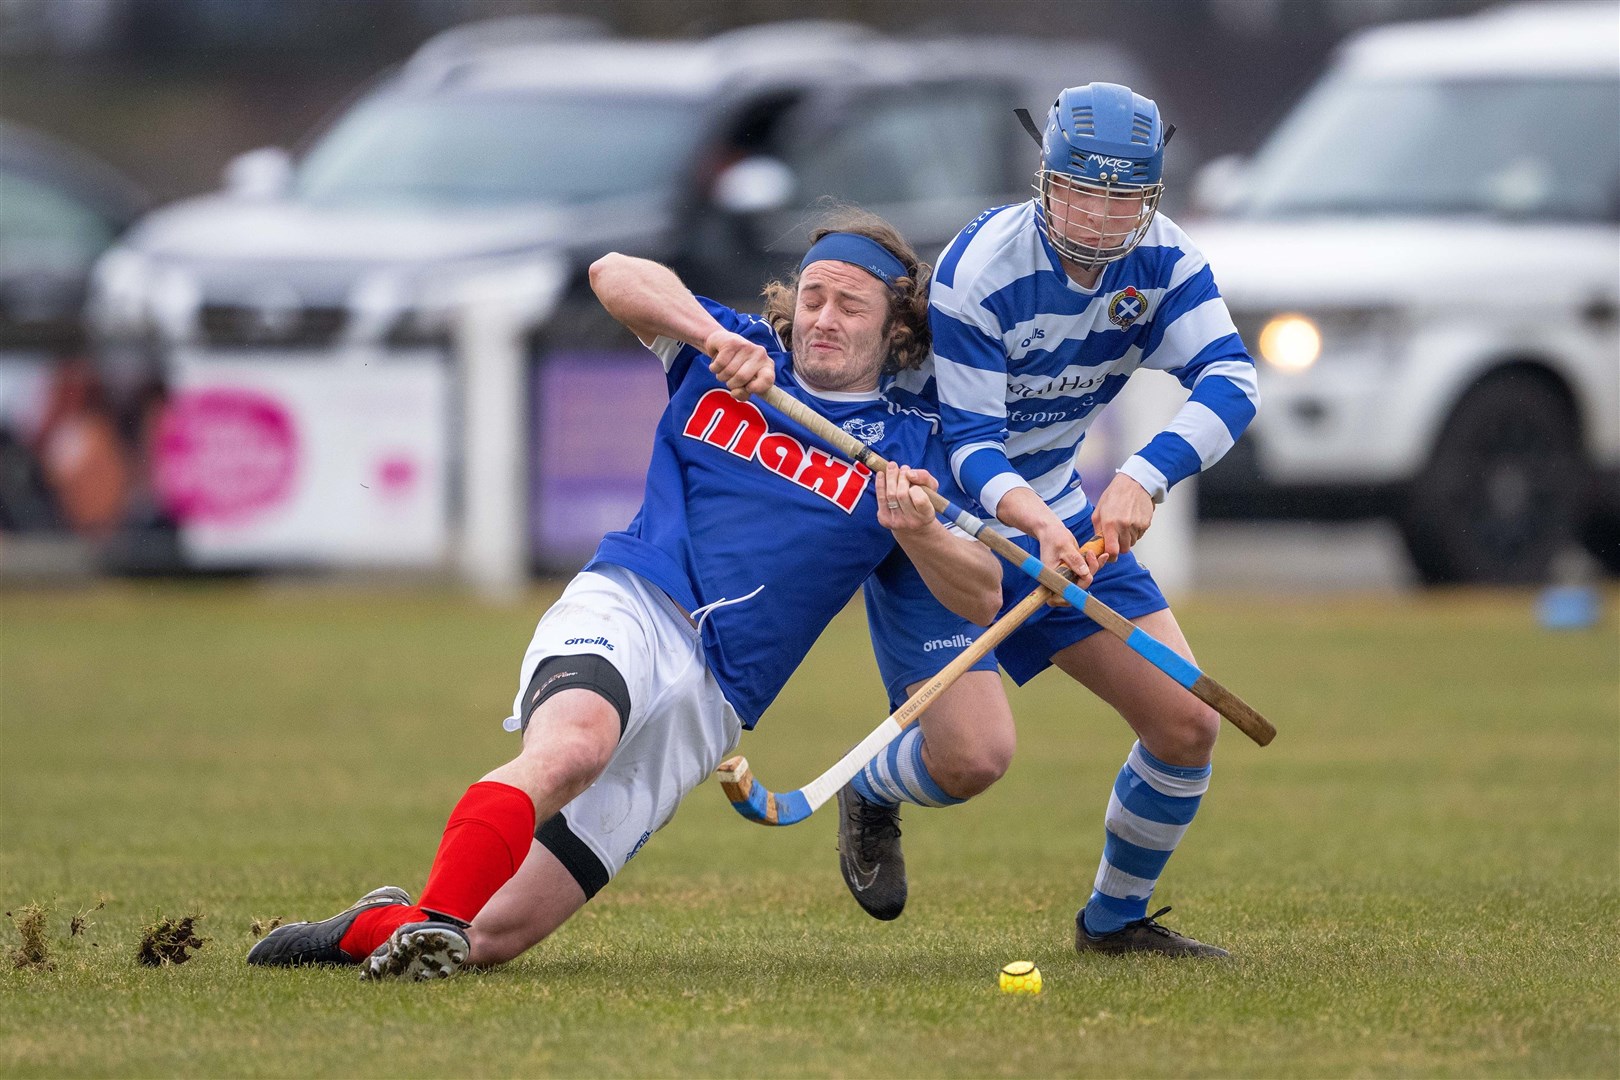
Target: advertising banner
pixel 267 460
pixel 595 414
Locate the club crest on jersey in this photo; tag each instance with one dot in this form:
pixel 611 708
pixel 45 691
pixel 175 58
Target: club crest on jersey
pixel 738 427
pixel 868 431
pixel 1126 307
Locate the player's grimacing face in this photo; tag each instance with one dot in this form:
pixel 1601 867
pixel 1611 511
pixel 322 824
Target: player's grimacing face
pixel 839 322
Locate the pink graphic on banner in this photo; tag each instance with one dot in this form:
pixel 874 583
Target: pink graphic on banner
pixel 224 455
pixel 396 475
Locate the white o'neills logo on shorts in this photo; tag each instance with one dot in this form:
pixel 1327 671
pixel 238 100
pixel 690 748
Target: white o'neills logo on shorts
pixel 602 641
pixel 956 641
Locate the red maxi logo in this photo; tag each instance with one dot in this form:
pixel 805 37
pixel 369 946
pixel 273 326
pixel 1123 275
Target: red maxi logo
pixel 738 427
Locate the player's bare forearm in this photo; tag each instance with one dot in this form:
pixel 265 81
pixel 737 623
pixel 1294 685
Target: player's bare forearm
pixel 1123 514
pixel 961 573
pixel 1028 513
pixel 650 300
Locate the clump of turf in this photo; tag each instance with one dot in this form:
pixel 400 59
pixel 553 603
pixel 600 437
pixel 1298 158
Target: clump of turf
pixel 262 925
pixel 81 922
pixel 35 949
pixel 166 941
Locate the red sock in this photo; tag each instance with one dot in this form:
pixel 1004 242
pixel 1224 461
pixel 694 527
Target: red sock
pixel 485 842
pixel 372 927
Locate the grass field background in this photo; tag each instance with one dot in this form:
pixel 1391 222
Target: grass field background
pixel 1420 877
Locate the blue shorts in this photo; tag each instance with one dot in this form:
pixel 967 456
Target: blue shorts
pixel 914 636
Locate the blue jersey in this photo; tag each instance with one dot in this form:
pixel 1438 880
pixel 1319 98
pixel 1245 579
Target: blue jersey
pixel 743 502
pixel 1024 358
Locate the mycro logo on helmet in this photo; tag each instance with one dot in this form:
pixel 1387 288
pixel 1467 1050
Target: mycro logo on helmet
pixel 1111 162
pixel 955 641
pixel 602 641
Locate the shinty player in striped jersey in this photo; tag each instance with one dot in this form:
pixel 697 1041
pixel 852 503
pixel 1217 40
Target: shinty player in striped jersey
pixel 1040 312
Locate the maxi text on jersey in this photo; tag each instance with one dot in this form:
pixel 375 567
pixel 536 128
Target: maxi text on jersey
pixel 739 427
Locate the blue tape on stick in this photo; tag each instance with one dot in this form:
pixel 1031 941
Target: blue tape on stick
pixel 753 807
pixel 1073 593
pixel 791 808
pixel 1164 658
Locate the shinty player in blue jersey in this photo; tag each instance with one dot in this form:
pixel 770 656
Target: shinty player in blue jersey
pixel 1040 312
pixel 684 626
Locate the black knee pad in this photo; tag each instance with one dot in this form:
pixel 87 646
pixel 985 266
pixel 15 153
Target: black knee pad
pixel 584 671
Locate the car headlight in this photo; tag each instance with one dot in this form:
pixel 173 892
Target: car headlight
pixel 1290 342
pixel 120 291
pixel 529 287
pixel 175 300
pixel 1293 342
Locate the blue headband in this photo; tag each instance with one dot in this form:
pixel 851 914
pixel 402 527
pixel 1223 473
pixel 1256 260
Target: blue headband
pixel 860 251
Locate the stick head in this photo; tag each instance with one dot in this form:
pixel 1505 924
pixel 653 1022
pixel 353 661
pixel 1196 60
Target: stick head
pixel 749 799
pixel 754 802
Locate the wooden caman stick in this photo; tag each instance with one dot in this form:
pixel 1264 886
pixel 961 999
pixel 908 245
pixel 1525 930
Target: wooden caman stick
pixel 1151 649
pixel 762 806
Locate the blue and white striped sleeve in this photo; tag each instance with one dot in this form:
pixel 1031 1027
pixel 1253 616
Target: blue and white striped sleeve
pixel 1193 338
pixel 970 369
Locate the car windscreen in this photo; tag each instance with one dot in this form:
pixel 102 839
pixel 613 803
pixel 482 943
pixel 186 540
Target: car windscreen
pixel 40 218
pixel 1540 148
pixel 476 150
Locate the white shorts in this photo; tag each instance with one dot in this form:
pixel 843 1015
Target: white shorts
pixel 679 729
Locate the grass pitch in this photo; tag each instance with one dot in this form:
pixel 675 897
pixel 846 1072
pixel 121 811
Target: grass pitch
pixel 1420 877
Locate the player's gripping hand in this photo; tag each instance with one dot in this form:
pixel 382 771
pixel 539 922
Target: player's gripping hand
pixel 1123 514
pixel 1059 548
pixel 1025 511
pixel 902 497
pixel 744 367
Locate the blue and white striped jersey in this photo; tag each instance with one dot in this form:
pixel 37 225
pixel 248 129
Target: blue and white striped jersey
pixel 1024 358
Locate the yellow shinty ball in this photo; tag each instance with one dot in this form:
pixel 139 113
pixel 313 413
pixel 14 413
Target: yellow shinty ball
pixel 1020 977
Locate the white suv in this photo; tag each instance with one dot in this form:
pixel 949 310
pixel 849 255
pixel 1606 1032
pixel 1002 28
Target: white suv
pixel 1425 257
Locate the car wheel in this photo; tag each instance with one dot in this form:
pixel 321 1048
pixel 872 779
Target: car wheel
pixel 1501 496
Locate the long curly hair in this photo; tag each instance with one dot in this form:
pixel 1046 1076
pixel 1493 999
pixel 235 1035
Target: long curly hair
pixel 907 324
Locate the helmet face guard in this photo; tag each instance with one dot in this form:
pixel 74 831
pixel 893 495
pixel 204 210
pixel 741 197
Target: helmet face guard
pixel 1101 175
pixel 1093 224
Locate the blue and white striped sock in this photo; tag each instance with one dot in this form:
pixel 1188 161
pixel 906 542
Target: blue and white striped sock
pixel 1150 808
pixel 898 775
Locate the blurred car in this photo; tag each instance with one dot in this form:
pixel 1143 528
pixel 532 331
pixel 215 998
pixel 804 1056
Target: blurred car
pixel 1425 255
pixel 59 210
pixel 60 459
pixel 514 146
pixel 510 154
